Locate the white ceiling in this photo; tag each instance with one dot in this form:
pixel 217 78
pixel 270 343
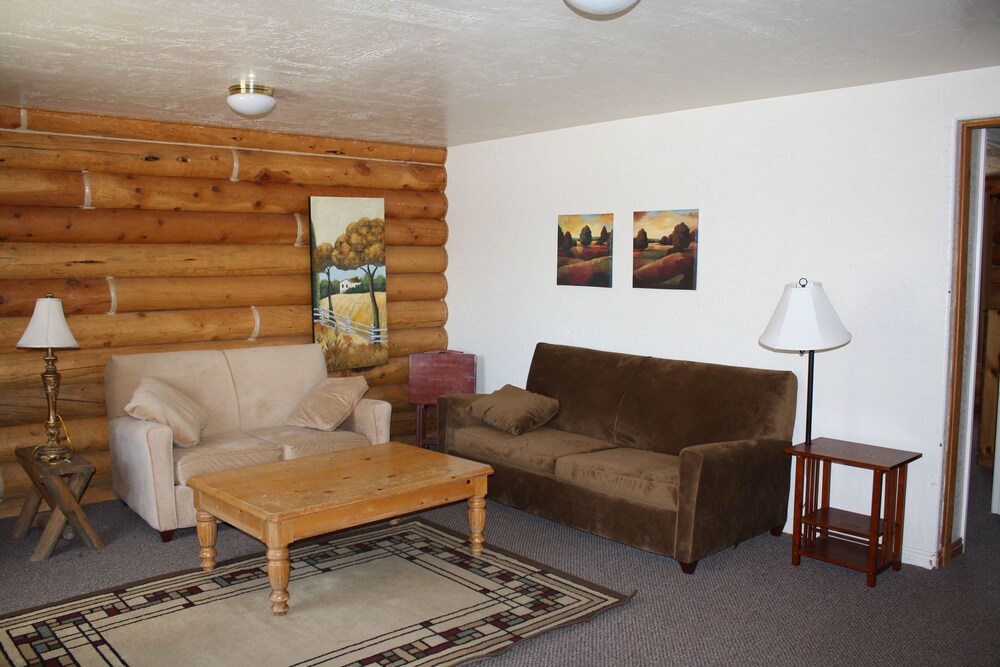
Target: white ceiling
pixel 450 72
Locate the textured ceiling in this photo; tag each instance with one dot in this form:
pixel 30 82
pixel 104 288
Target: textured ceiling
pixel 449 72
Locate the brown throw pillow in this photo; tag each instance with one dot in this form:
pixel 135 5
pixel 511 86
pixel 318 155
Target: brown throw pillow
pixel 157 401
pixel 514 410
pixel 329 403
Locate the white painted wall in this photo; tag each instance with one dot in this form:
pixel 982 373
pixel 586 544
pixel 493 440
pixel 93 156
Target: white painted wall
pixel 854 188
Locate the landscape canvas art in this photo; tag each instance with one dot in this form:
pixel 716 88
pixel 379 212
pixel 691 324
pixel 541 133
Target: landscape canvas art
pixel 665 249
pixel 584 250
pixel 347 243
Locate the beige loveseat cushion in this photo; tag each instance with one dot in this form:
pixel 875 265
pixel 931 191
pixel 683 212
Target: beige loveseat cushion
pixel 157 401
pixel 637 474
pixel 329 403
pixel 223 451
pixel 296 442
pixel 535 451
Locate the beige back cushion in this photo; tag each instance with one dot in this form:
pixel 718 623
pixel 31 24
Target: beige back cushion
pixel 270 381
pixel 201 375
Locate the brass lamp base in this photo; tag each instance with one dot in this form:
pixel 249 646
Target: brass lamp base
pixel 52 451
pixel 52 455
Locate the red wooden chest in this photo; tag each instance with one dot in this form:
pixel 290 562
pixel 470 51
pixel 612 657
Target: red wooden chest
pixel 433 374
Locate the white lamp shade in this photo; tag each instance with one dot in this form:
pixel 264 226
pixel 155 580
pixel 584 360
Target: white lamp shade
pixel 251 104
pixel 601 6
pixel 48 327
pixel 804 320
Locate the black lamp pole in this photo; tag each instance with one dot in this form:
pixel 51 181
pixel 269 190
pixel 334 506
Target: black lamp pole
pixel 809 398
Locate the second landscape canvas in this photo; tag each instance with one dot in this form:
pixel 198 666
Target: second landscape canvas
pixel 665 249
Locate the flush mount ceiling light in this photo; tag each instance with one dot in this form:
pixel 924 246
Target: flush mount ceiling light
pixel 249 98
pixel 601 7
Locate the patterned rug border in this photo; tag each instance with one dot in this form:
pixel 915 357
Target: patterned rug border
pixel 616 598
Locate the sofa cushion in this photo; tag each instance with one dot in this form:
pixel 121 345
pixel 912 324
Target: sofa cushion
pixel 296 442
pixel 636 474
pixel 329 403
pixel 588 384
pixel 514 410
pixel 269 381
pixel 223 451
pixel 156 401
pixel 674 404
pixel 536 451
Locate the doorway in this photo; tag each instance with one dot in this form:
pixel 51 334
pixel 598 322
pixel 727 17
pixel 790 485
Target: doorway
pixel 977 159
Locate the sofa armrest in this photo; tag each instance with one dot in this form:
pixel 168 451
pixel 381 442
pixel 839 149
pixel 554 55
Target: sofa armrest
pixel 142 469
pixel 728 492
pixel 371 418
pixel 453 414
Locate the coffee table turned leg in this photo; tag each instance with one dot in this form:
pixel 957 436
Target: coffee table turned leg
pixel 477 520
pixel 278 569
pixel 207 530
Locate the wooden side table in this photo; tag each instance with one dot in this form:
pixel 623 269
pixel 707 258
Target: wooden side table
pixel 61 485
pixel 868 543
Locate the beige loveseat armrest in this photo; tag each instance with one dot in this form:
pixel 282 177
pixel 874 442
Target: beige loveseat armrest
pixel 453 414
pixel 142 469
pixel 728 492
pixel 371 418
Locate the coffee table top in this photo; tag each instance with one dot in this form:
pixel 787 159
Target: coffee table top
pixel 327 481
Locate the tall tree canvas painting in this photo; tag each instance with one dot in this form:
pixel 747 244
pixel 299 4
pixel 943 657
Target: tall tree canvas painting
pixel 584 249
pixel 347 240
pixel 665 249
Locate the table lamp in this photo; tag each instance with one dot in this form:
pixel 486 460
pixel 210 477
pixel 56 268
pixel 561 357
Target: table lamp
pixel 47 331
pixel 805 320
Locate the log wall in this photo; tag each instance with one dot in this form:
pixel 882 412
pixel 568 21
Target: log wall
pixel 162 236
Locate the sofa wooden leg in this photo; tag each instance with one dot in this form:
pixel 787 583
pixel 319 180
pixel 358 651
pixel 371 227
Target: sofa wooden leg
pixel 776 531
pixel 688 568
pixel 166 535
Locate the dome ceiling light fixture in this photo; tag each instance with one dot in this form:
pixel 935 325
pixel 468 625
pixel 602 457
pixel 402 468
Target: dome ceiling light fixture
pixel 249 98
pixel 601 9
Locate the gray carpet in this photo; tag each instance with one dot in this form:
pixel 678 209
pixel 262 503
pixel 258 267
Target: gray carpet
pixel 744 606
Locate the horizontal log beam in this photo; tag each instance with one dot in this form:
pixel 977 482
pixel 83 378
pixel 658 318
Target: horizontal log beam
pixel 31 150
pixel 41 120
pixel 419 232
pixel 24 261
pixel 174 326
pixel 415 259
pixel 21 187
pixel 61 224
pixel 416 315
pixel 416 287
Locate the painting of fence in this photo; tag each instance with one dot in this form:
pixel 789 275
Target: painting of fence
pixel 350 321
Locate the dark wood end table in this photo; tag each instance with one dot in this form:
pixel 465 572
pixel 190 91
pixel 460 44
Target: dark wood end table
pixel 61 485
pixel 868 543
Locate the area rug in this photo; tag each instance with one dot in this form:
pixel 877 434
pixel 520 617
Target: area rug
pixel 410 594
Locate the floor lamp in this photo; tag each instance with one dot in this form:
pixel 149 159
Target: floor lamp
pixel 48 330
pixel 805 321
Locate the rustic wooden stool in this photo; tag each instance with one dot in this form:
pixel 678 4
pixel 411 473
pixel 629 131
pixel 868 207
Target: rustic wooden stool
pixel 61 485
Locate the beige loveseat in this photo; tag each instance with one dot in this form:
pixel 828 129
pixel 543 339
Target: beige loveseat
pixel 676 457
pixel 247 396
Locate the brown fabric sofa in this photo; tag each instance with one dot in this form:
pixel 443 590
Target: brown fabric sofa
pixel 676 457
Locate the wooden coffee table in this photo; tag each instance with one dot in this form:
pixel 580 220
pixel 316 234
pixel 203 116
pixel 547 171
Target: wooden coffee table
pixel 285 501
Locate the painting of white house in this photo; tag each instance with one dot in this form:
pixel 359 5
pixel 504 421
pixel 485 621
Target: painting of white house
pixel 350 321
